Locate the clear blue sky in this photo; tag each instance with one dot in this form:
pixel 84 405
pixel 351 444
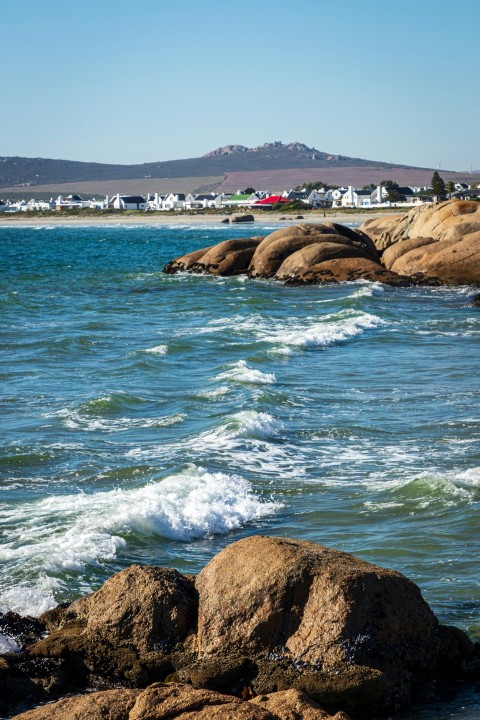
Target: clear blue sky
pixel 123 81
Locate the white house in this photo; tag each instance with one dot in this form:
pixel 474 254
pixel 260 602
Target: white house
pixel 155 202
pixel 174 201
pixel 128 202
pixel 356 198
pixel 70 202
pixel 208 200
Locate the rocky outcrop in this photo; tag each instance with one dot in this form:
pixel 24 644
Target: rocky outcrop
pixel 438 242
pixel 300 254
pixel 265 615
pixel 166 702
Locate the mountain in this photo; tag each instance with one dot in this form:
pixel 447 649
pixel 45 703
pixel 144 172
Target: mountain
pixel 229 167
pixel 15 171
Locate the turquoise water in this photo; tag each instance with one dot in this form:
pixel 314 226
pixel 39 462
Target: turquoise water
pixel 153 418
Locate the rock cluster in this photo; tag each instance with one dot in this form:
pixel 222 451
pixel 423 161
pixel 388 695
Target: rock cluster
pixel 270 628
pixel 434 243
pixel 302 254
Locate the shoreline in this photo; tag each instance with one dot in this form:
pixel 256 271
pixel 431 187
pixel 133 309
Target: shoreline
pixel 150 219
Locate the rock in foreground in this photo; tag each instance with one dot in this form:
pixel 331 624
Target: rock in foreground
pixel 265 615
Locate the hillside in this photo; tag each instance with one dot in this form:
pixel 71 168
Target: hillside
pixel 15 171
pixel 231 163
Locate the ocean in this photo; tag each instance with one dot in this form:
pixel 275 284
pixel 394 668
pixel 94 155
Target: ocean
pixel 151 418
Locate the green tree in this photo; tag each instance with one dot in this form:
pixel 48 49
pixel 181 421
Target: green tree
pixel 394 195
pixel 393 191
pixel 248 191
pixel 450 187
pixel 438 186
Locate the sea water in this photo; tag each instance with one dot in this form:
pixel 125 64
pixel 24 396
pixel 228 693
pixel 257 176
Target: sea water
pixel 156 418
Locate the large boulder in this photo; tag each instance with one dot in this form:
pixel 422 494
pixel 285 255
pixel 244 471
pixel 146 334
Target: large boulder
pixel 147 607
pixel 272 252
pixel 454 262
pixel 299 602
pixel 230 257
pixel 341 269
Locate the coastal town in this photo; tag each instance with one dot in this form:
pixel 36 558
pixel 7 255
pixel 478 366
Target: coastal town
pixel 386 195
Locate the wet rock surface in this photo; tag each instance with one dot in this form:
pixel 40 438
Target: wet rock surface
pixel 270 626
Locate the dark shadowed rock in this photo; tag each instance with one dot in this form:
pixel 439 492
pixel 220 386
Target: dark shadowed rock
pixel 185 262
pixel 230 257
pixel 349 270
pixel 242 218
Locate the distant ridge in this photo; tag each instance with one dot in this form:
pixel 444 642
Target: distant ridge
pixel 234 161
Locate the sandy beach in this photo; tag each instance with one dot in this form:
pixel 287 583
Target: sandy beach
pixel 17 220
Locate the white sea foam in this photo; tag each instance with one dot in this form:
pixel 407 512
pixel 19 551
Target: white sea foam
pixel 248 424
pixel 75 420
pixel 215 392
pixel 319 332
pixel 469 479
pixel 240 372
pixel 8 645
pixel 367 289
pixel 66 532
pixel 157 350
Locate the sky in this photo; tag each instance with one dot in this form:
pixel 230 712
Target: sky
pixel 125 82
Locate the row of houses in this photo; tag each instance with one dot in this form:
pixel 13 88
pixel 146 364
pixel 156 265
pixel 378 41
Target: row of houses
pixel 346 197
